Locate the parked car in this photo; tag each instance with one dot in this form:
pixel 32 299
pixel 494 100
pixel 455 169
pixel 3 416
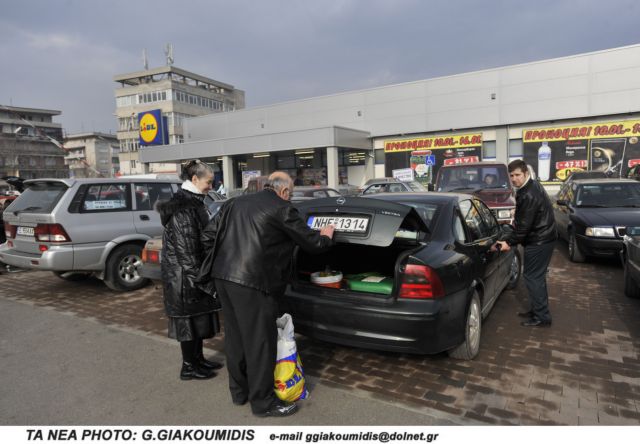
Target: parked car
pixel 634 172
pixel 418 273
pixel 488 181
pixel 80 227
pixel 631 260
pixel 306 193
pixel 392 186
pixel 151 256
pixel 591 215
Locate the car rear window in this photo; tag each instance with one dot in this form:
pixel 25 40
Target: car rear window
pixel 427 211
pixel 39 197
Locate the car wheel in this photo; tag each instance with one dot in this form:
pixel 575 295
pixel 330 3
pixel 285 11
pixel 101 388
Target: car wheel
pixel 472 330
pixel 515 270
pixel 631 287
pixel 575 255
pixel 72 276
pixel 123 269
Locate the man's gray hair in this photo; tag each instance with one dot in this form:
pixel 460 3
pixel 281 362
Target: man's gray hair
pixel 280 182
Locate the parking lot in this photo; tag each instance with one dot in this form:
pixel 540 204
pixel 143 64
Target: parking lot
pixel 585 369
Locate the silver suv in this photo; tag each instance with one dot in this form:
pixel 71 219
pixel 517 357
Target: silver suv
pixel 80 227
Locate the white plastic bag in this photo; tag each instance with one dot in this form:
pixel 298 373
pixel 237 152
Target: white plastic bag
pixel 288 375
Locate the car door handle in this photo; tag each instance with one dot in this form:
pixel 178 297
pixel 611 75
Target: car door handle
pixel 144 217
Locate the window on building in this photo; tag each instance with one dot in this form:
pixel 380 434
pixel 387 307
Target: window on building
pixel 515 148
pixel 380 157
pixel 489 149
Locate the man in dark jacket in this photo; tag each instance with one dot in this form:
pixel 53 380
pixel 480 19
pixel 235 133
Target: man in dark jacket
pixel 535 229
pixel 252 239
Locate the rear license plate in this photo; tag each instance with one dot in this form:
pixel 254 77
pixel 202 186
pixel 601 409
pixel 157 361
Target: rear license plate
pixel 342 223
pixel 25 231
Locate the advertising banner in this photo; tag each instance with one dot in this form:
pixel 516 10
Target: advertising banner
pixel 427 154
pixel 404 174
pixel 554 153
pixel 153 128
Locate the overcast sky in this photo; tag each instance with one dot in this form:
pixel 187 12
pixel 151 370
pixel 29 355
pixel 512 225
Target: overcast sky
pixel 63 54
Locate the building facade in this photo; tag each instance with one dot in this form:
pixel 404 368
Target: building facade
pixel 178 94
pixel 581 111
pixel 92 155
pixel 31 143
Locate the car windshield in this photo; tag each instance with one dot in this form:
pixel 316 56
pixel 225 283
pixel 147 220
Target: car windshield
pixel 609 195
pixel 39 197
pixel 416 186
pixel 473 177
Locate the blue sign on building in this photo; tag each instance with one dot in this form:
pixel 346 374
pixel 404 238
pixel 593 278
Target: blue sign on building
pixel 430 159
pixel 153 128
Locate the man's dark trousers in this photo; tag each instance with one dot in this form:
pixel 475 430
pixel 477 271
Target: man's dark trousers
pixel 250 343
pixel 536 262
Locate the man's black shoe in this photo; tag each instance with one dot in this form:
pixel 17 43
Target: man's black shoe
pixel 190 371
pixel 239 401
pixel 211 365
pixel 278 410
pixel 525 314
pixel 536 323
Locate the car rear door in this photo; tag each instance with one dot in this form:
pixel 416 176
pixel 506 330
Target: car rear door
pixel 361 220
pixel 483 236
pixel 146 194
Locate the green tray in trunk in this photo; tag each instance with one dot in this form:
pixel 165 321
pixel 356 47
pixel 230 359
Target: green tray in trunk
pixel 370 282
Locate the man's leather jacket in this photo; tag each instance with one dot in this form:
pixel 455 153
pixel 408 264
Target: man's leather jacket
pixel 252 239
pixel 534 223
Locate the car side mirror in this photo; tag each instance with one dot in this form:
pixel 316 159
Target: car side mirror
pixel 431 186
pixel 562 203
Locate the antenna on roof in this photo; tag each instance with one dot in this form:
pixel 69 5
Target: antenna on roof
pixel 168 51
pixel 145 61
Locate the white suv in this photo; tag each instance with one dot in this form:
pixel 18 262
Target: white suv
pixel 80 227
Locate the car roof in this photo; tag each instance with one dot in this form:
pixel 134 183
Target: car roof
pixel 71 182
pixel 421 196
pixel 603 181
pixel 475 164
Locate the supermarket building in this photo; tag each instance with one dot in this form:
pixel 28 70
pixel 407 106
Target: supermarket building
pixel 576 112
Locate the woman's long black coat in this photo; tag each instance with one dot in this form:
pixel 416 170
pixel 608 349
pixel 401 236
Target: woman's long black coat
pixel 183 218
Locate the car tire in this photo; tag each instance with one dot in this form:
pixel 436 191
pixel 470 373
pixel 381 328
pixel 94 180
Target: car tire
pixel 72 276
pixel 515 271
pixel 123 269
pixel 631 287
pixel 575 255
pixel 472 331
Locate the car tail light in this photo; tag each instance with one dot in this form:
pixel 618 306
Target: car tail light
pixel 51 233
pixel 420 282
pixel 150 256
pixel 10 230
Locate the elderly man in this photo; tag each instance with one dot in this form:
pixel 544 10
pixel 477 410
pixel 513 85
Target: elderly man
pixel 253 237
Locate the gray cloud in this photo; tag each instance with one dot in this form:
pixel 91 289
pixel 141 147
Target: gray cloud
pixel 64 54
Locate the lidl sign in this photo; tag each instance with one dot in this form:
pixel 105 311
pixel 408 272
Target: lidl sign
pixel 153 128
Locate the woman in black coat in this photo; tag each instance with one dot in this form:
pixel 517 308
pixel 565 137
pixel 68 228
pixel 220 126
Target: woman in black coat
pixel 192 312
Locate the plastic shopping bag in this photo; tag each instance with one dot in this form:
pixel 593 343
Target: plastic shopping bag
pixel 288 375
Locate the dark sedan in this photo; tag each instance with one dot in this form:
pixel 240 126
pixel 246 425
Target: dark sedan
pixel 631 261
pixel 592 214
pixel 418 273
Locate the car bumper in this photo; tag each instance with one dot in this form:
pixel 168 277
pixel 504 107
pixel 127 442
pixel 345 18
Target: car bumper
pixel 151 271
pixel 592 246
pixel 56 258
pixel 408 326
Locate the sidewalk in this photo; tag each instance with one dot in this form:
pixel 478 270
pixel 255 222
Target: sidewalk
pixel 58 369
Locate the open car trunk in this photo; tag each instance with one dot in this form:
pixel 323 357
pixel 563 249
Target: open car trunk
pixel 373 239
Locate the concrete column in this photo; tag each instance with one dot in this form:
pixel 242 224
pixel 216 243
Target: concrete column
pixel 502 145
pixel 333 175
pixel 369 165
pixel 227 174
